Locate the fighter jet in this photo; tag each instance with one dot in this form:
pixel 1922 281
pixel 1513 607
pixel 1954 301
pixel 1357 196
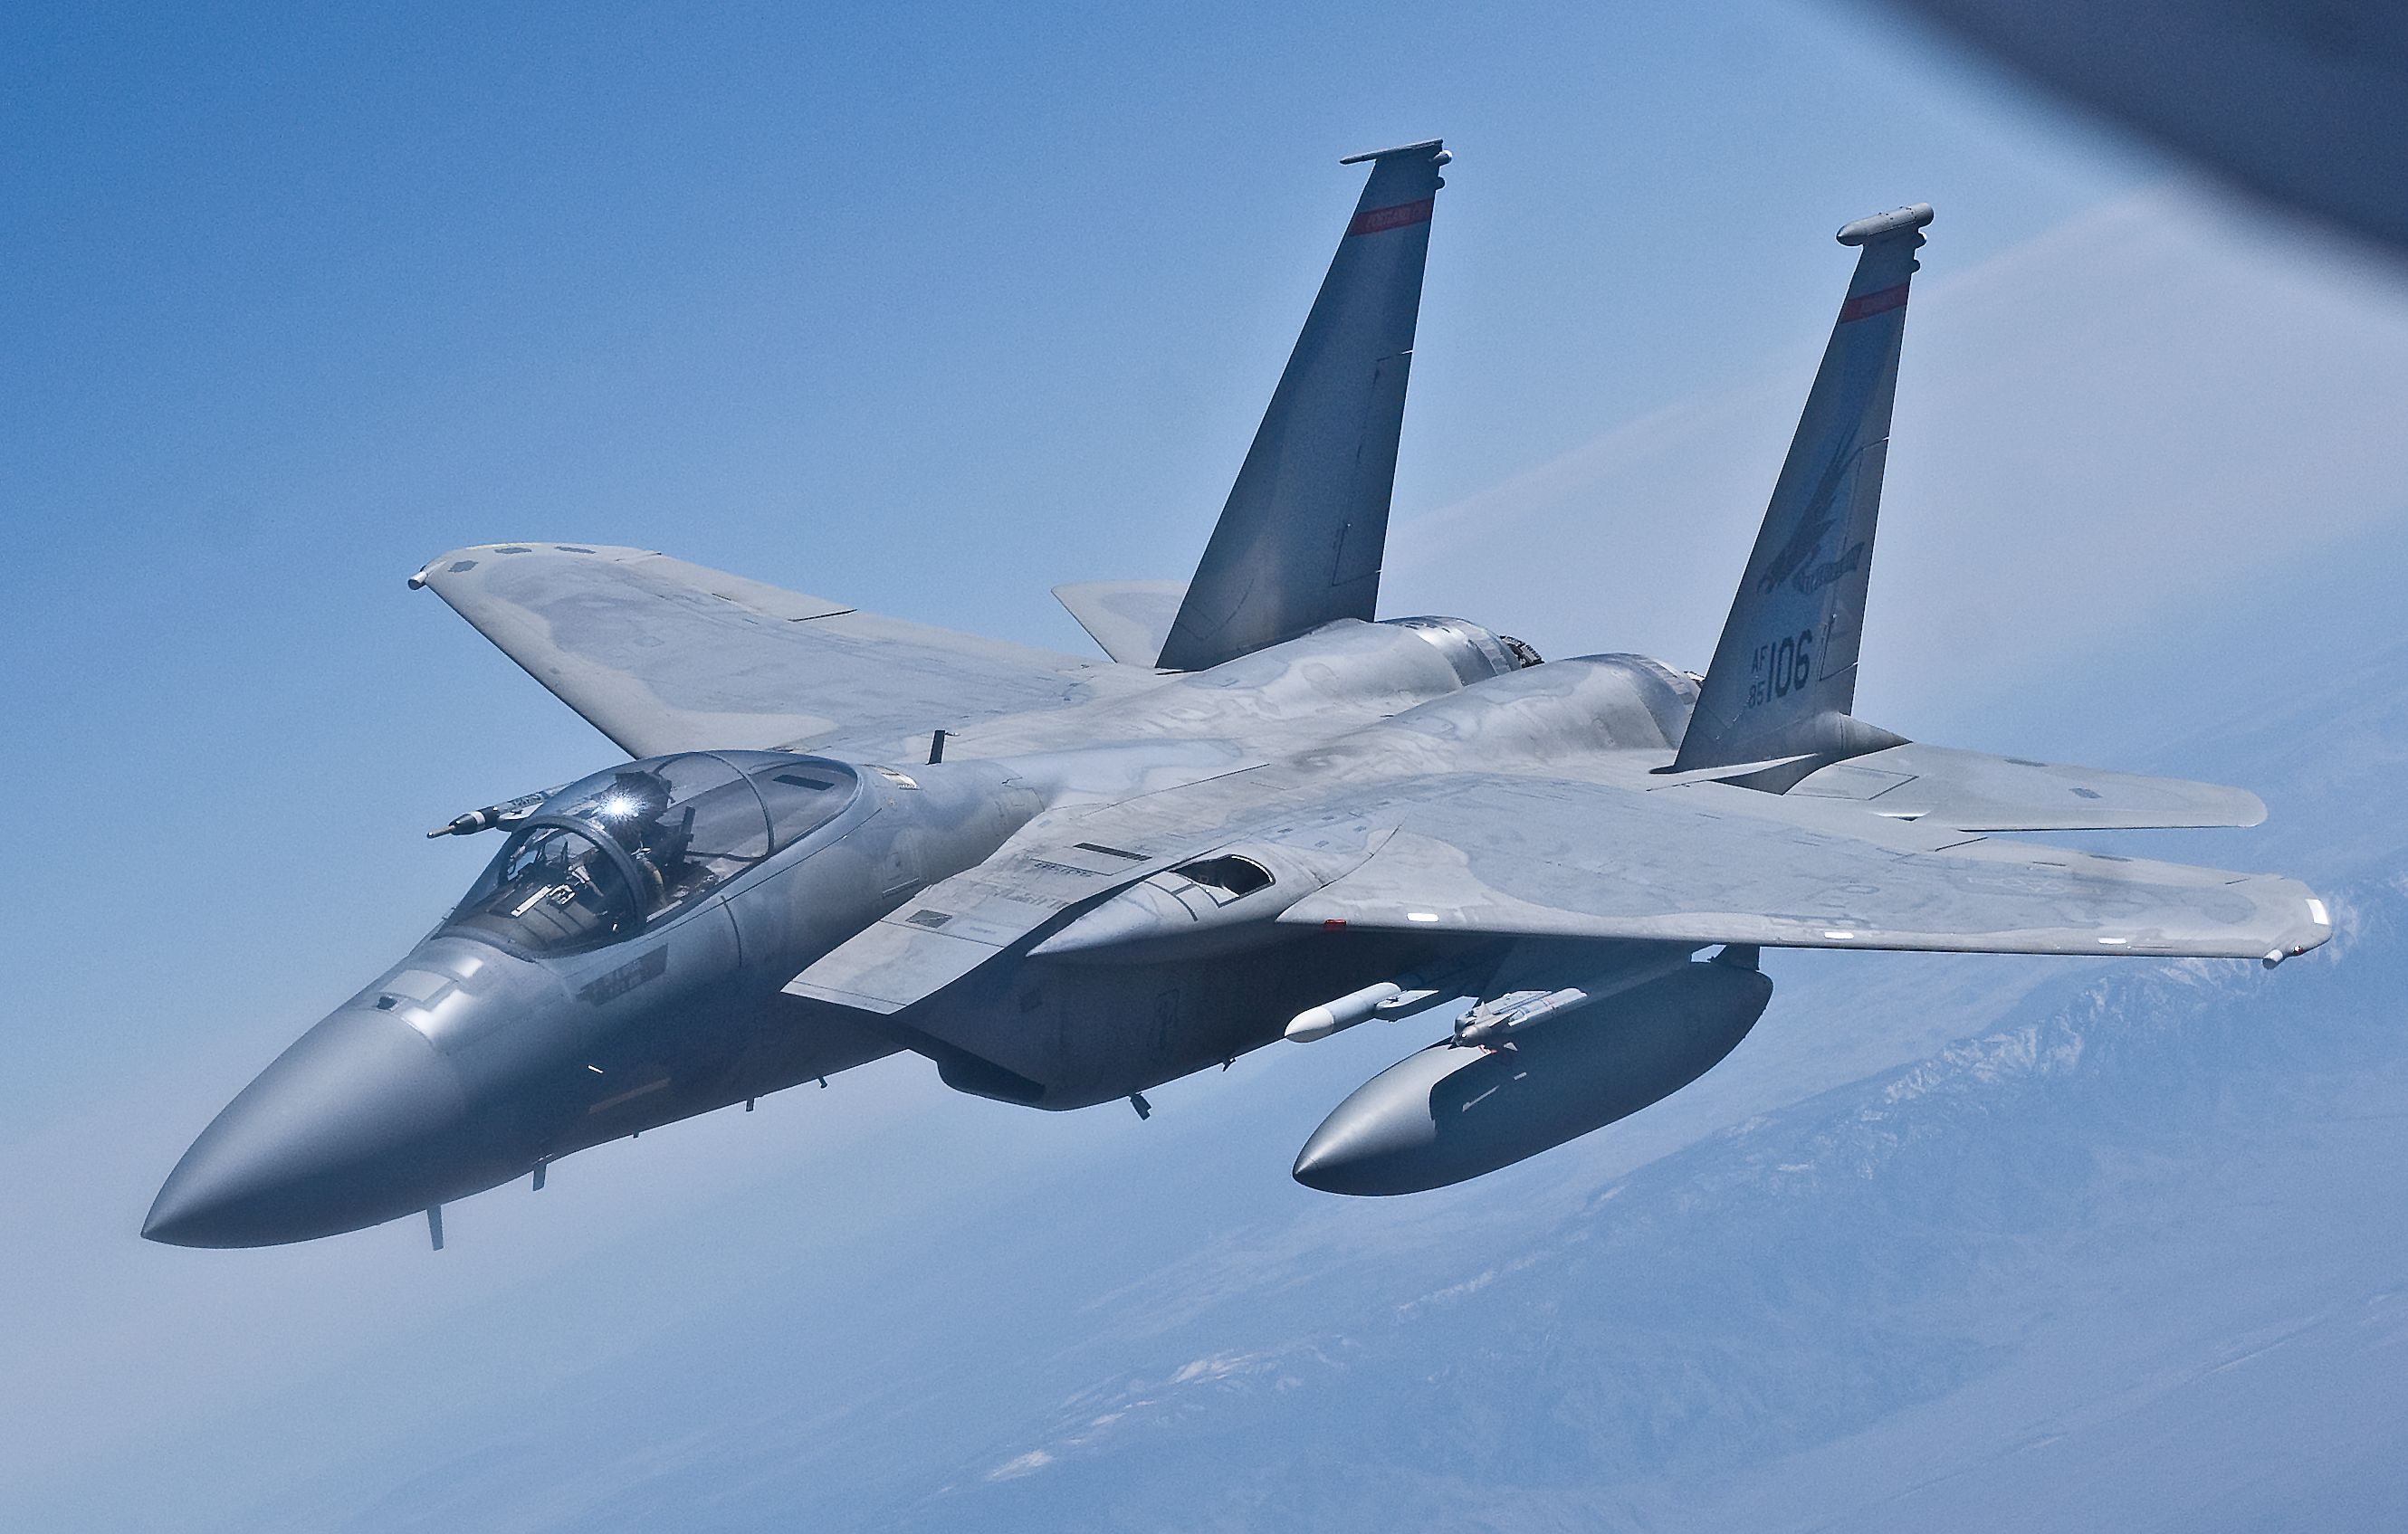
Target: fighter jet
pixel 1268 814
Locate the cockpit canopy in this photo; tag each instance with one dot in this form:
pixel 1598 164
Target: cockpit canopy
pixel 610 853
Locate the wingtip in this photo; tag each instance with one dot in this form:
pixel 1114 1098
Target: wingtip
pixel 465 558
pixel 425 573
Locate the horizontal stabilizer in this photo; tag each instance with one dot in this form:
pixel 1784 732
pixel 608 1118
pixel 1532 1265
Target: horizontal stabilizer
pixel 1972 791
pixel 1128 620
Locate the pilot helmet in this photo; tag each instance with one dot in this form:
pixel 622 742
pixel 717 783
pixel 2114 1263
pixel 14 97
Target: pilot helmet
pixel 633 803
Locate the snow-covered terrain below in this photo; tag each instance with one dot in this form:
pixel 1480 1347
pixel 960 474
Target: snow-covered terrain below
pixel 1950 1241
pixel 2087 1269
pixel 1954 1242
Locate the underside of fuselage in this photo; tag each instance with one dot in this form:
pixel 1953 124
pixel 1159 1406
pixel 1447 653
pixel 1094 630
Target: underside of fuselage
pixel 1081 1034
pixel 1034 1032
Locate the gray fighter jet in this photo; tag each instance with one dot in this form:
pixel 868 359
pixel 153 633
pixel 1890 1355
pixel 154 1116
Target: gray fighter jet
pixel 1268 814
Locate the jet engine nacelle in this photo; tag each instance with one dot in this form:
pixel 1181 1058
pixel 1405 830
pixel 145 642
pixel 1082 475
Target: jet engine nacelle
pixel 1452 1113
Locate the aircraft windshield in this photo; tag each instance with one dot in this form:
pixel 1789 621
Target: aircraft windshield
pixel 607 855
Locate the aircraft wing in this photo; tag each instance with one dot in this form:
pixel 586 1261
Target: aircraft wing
pixel 1706 863
pixel 662 655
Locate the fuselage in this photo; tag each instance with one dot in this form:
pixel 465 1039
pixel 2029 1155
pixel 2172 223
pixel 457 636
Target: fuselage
pixel 601 980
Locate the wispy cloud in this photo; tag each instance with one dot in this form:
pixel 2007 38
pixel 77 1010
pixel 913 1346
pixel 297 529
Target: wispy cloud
pixel 2139 407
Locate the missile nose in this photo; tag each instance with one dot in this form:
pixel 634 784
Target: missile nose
pixel 345 1128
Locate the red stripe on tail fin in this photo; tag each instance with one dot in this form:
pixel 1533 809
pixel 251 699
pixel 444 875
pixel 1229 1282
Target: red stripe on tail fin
pixel 1864 305
pixel 1372 220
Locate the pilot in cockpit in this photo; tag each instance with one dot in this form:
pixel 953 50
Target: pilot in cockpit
pixel 602 857
pixel 634 809
pixel 636 814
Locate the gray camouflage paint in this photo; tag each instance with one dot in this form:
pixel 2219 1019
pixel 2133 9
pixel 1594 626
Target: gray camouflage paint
pixel 1300 541
pixel 1414 808
pixel 1783 678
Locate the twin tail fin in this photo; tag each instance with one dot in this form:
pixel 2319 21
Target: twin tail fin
pixel 1783 677
pixel 1301 542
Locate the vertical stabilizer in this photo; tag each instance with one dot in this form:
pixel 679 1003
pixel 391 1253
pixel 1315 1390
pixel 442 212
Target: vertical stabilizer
pixel 1300 541
pixel 1783 677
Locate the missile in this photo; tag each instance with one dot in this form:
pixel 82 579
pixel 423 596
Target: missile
pixel 1387 999
pixel 1453 1111
pixel 1390 999
pixel 1344 1012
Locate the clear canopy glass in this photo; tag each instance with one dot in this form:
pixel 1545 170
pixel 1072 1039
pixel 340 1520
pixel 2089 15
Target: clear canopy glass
pixel 610 853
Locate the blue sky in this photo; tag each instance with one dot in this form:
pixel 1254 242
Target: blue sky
pixel 926 309
pixel 929 308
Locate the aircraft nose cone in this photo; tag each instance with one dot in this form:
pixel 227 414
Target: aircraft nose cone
pixel 346 1129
